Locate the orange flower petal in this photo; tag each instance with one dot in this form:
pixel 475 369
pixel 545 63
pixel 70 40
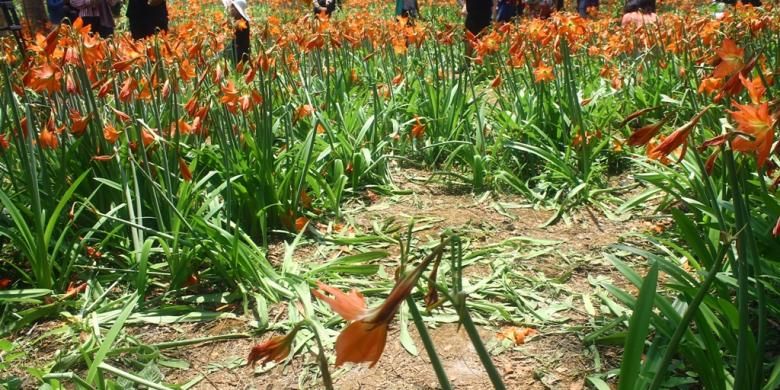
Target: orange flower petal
pixel 361 342
pixel 351 306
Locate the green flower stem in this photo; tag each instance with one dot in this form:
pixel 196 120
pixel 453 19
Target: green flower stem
pixel 484 356
pixel 438 368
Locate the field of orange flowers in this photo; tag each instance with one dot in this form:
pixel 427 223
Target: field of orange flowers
pixel 150 181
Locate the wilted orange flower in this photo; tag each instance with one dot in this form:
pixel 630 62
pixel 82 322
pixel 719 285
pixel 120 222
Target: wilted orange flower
pixel 543 73
pixel 186 175
pixel 731 59
pixel 755 121
pixel 363 340
pixel 110 134
pixel 276 348
pixel 644 134
pixel 496 83
pixel 517 335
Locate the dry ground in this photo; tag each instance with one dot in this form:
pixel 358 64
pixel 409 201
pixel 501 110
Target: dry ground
pixel 554 359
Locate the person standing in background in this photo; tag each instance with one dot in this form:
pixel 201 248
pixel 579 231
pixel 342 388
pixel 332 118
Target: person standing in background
pixel 407 9
pixel 584 5
pixel 146 17
pixel 639 13
pixel 508 10
pixel 326 6
pixel 240 46
pixel 96 14
pixel 478 13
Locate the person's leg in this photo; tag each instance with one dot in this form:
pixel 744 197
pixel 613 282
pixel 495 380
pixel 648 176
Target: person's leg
pixel 93 22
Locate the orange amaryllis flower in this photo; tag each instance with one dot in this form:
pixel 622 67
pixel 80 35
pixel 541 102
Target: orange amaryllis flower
pixel 754 120
pixel 363 340
pixel 45 78
pixel 755 88
pixel 147 137
pixel 710 85
pixel 543 73
pixel 276 348
pixel 128 88
pixel 678 138
pixel 78 123
pixel 110 134
pixel 731 59
pixel 418 130
pixel 644 134
pixel 48 137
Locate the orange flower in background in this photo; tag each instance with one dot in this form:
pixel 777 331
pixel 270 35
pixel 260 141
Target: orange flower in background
pixel 276 348
pixel 731 59
pixel 110 134
pixel 5 283
pixel 755 121
pixel 4 144
pixel 418 130
pixel 78 123
pixel 543 73
pixel 496 83
pixel 300 223
pixel 48 136
pixel 147 137
pixel 776 230
pixel 303 111
pixel 364 338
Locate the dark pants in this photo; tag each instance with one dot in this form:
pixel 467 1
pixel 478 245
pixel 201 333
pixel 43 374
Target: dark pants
pixel 94 23
pixel 146 20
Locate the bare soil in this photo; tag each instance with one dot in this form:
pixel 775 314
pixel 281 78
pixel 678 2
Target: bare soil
pixel 554 359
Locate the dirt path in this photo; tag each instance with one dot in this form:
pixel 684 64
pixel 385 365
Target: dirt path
pixel 551 271
pixel 559 275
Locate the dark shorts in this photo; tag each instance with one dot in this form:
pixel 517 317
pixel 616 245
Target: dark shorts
pixel 477 23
